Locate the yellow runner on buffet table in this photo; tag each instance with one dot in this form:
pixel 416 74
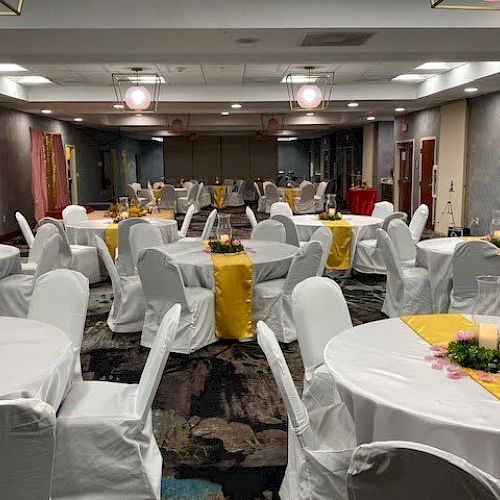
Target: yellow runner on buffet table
pixel 111 238
pixel 290 195
pixel 218 192
pixel 440 329
pixel 340 251
pixel 233 295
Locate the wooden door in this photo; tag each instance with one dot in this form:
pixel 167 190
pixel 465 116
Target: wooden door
pixel 405 176
pixel 426 165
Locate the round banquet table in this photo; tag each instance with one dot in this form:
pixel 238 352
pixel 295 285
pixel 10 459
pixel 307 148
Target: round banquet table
pixel 436 255
pixel 10 260
pixel 36 361
pixel 393 394
pixel 270 260
pixel 361 201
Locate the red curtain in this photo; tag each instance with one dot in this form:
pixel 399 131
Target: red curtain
pixel 62 198
pixel 38 174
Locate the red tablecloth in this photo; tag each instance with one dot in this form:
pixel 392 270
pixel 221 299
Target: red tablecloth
pixel 361 201
pixel 57 214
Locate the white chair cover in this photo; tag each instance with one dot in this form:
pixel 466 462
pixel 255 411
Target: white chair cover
pixel 197 323
pixel 418 222
pixel 205 199
pixel 319 197
pixel 304 182
pixel 250 194
pixel 42 236
pixel 124 262
pixel 324 236
pixel 320 312
pixel 143 236
pixel 281 208
pixel 186 222
pixel 167 197
pixel 271 194
pixel 272 298
pixel 184 203
pixel 158 185
pixel 187 185
pixel 25 229
pixel 235 198
pixel 60 298
pixel 397 470
pixel 16 289
pixel 105 446
pixel 382 209
pixel 228 182
pixel 305 204
pixel 320 442
pixel 269 230
pixel 403 242
pixel 207 229
pixel 291 236
pixel 251 217
pixel 27 443
pixel 408 289
pixel 136 186
pixel 470 260
pixel 73 214
pixel 132 193
pixel 129 306
pixel 261 203
pixel 394 216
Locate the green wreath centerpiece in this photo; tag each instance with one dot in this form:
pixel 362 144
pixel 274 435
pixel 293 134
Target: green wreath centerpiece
pixel 327 216
pixel 228 246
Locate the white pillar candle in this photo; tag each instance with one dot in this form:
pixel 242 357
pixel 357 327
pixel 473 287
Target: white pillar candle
pixel 331 212
pixel 488 335
pixel 496 235
pixel 224 237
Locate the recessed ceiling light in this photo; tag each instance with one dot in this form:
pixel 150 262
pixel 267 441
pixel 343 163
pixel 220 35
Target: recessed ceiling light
pixel 118 106
pixel 7 68
pixel 310 113
pixel 157 139
pixel 286 139
pixel 236 105
pixel 471 90
pixel 30 80
pixel 399 110
pixel 434 66
pixel 370 118
pixel 411 77
pixel 78 119
pixel 299 78
pixel 46 111
pixel 224 113
pixel 353 104
pixel 146 79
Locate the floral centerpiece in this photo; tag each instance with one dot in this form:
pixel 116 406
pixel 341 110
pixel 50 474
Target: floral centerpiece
pixel 133 211
pixel 330 216
pixel 226 246
pixel 492 239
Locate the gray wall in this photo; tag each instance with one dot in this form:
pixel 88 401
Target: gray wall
pixel 294 156
pixel 151 161
pixel 385 152
pixel 483 160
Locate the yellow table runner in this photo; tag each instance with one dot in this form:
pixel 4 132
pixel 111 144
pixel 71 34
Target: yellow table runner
pixel 157 193
pixel 233 295
pixel 290 195
pixel 111 238
pixel 440 329
pixel 218 192
pixel 340 251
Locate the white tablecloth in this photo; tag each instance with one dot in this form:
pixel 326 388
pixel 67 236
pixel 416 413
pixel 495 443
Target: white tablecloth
pixel 10 260
pixel 84 232
pixel 363 227
pixel 270 261
pixel 36 361
pixel 436 255
pixel 393 393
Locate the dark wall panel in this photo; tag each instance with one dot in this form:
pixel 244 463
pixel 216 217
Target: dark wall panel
pixel 235 161
pixel 178 157
pixel 206 158
pixel 263 158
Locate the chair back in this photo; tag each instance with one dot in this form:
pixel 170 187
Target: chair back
pixel 199 192
pixel 321 189
pixel 382 209
pixel 390 256
pixel 307 193
pixel 271 193
pixel 158 185
pixel 304 183
pixel 281 208
pixel 228 182
pixel 209 225
pixel 269 230
pixel 402 240
pixel 66 252
pixel 157 359
pixel 241 188
pixel 304 265
pixel 50 257
pixel 187 185
pixel 27 444
pixel 251 216
pixel 394 216
pixel 325 237
pixel 192 193
pixel 74 214
pixel 167 196
pixel 394 470
pixel 42 236
pixel 418 222
pixel 319 312
pixel 25 229
pixel 109 264
pixel 131 192
pixel 257 188
pixel 143 236
pixel 187 221
pixel 135 186
pixel 124 262
pixel 60 298
pixel 297 412
pixel 291 236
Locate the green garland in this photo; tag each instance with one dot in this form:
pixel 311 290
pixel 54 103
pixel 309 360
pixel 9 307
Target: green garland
pixel 326 216
pixel 468 354
pixel 217 247
pixel 495 242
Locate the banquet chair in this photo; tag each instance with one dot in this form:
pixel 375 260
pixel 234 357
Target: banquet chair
pixel 105 445
pixel 304 204
pixel 143 236
pixel 319 312
pixel 43 233
pixel 394 470
pixel 186 222
pixel 403 242
pixel 74 214
pixel 167 198
pixel 382 209
pixel 79 258
pixel 197 323
pixel 187 185
pixel 16 289
pixel 124 262
pixel 158 185
pixel 136 186
pixel 291 236
pixel 207 229
pixel 205 197
pixel 470 260
pixel 129 306
pixel 418 222
pixel 60 298
pixel 319 197
pixel 368 258
pixel 408 289
pixel 269 230
pixel 281 208
pixel 251 216
pixel 235 198
pixel 25 229
pixel 272 298
pixel 197 200
pixel 184 203
pixel 271 194
pixel 261 199
pixel 304 183
pixel 324 236
pixel 132 194
pixel 27 444
pixel 320 441
pixel 228 182
pixel 250 194
pixel 145 196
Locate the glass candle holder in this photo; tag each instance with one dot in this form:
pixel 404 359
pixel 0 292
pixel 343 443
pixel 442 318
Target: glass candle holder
pixel 486 311
pixel 224 230
pixel 123 204
pixel 495 225
pixel 331 204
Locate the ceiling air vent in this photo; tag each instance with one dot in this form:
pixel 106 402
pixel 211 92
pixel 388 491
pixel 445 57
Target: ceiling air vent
pixel 332 39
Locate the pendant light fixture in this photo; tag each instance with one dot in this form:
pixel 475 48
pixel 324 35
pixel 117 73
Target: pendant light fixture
pixel 137 91
pixel 11 7
pixel 466 4
pixel 137 97
pixel 309 96
pixel 311 91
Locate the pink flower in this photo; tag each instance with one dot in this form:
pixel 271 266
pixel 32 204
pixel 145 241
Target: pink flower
pixel 455 375
pixel 437 365
pixel 236 242
pixel 485 376
pixel 429 357
pixel 463 335
pixel 487 237
pixel 227 243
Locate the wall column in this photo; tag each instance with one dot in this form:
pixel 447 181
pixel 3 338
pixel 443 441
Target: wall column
pixel 369 153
